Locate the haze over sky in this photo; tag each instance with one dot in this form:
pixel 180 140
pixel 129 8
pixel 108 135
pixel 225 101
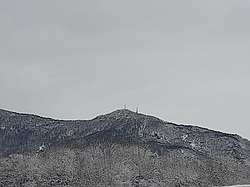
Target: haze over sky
pixel 183 61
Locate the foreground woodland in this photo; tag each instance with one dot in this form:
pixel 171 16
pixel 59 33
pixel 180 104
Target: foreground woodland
pixel 112 164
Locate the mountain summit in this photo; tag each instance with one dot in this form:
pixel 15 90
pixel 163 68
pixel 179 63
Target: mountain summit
pixel 26 134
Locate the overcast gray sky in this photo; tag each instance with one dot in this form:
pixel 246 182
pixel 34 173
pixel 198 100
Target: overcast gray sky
pixel 184 61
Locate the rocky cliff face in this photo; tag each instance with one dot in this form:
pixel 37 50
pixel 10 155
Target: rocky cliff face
pixel 25 134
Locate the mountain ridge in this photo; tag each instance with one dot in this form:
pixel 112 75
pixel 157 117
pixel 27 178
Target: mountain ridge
pixel 115 120
pixel 12 113
pixel 214 158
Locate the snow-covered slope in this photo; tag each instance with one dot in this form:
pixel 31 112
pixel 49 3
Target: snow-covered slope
pixel 212 157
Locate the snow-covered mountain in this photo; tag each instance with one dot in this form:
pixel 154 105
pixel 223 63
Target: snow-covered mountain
pixel 208 157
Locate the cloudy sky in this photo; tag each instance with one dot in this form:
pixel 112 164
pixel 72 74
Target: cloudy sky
pixel 183 61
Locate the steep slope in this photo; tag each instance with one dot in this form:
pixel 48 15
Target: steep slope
pixel 208 149
pixel 22 132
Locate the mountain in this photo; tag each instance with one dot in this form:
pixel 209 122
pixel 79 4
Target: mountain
pixel 128 148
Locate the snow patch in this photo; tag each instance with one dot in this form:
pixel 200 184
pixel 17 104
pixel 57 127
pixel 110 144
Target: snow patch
pixel 246 185
pixel 184 137
pixel 193 145
pixel 41 148
pixel 70 133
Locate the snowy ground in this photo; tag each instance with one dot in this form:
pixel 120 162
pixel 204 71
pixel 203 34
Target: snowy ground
pixel 247 185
